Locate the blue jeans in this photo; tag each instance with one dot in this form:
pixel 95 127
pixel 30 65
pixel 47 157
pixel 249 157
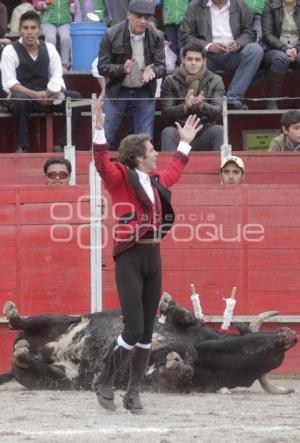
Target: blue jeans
pixel 139 103
pixel 244 63
pixel 278 62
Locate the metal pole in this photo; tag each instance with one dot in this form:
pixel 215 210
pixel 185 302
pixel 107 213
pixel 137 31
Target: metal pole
pixel 95 229
pixel 226 149
pixel 69 149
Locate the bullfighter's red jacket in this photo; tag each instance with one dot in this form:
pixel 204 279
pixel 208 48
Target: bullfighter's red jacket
pixel 132 207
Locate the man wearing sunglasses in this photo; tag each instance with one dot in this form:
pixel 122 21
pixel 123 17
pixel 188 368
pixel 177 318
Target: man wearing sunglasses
pixel 57 171
pixel 131 58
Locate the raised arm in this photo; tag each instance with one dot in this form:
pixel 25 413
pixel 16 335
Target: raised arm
pixel 111 172
pixel 172 173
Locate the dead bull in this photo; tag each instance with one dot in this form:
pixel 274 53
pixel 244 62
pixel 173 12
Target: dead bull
pixel 65 352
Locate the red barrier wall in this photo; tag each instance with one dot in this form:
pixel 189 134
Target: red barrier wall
pixel 246 236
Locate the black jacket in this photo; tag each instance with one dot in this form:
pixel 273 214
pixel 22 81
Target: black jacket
pixel 197 25
pixel 272 24
pixel 115 49
pixel 174 86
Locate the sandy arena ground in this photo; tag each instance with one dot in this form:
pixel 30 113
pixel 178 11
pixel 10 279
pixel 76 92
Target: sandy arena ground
pixel 244 415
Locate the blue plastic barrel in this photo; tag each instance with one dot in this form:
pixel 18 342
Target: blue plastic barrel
pixel 86 38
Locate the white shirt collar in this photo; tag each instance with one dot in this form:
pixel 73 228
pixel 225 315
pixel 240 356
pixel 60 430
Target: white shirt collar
pixel 226 6
pixel 143 176
pixel 136 36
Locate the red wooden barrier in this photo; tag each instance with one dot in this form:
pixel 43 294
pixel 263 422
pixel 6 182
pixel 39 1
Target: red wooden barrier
pixel 203 168
pixel 245 236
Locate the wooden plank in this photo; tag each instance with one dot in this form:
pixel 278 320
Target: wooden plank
pixel 285 258
pixel 274 216
pixel 60 212
pixel 275 280
pixel 204 259
pixel 7 235
pixel 285 301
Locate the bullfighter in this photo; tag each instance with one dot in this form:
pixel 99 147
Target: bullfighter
pixel 143 216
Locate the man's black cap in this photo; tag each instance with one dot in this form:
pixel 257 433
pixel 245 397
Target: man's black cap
pixel 144 7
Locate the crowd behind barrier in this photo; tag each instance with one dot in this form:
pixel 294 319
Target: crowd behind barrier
pixel 262 38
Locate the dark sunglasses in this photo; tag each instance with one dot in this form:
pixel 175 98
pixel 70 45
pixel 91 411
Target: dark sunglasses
pixel 53 175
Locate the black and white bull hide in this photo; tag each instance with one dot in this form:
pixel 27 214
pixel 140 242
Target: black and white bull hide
pixel 65 352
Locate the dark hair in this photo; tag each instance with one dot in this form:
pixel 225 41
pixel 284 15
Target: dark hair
pixel 30 15
pixel 132 147
pixel 60 160
pixel 290 118
pixel 193 46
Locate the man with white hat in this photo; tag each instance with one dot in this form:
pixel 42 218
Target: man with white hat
pixel 132 58
pixel 232 170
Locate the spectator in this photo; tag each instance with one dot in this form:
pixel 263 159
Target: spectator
pixel 3 20
pixel 83 7
pixel 232 170
pixel 3 42
pixel 173 14
pixel 224 28
pixel 289 140
pixel 17 12
pixel 116 10
pixel 100 78
pixel 256 8
pixel 32 75
pixel 56 18
pixel 131 57
pixel 281 33
pixel 193 90
pixel 57 171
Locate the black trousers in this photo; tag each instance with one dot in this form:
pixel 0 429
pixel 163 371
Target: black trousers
pixel 22 109
pixel 138 278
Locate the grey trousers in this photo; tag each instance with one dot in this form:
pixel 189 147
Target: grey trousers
pixel 210 138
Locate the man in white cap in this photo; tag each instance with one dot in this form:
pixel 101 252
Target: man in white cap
pixel 131 58
pixel 232 170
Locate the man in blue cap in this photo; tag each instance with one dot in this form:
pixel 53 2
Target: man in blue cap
pixel 131 58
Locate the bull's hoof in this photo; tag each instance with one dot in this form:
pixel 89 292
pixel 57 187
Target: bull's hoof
pixel 105 395
pixel 165 301
pixel 132 402
pixel 10 310
pixel 21 353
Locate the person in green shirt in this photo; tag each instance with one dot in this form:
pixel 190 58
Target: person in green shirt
pixel 173 13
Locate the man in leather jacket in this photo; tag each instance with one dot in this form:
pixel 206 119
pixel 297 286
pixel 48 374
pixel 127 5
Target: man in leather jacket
pixel 131 58
pixel 192 89
pixel 225 30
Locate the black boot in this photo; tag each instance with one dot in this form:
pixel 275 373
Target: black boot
pixel 103 383
pixel 138 366
pixel 276 81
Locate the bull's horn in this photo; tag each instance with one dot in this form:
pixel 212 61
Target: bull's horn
pixel 269 387
pixel 255 325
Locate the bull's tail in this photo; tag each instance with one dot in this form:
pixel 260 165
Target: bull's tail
pixel 4 378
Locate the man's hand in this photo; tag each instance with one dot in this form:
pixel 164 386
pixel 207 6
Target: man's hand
pixel 42 98
pixel 291 53
pixel 217 48
pixel 148 74
pixel 191 128
pixel 100 116
pixel 128 65
pixel 199 101
pixel 189 100
pixel 233 46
